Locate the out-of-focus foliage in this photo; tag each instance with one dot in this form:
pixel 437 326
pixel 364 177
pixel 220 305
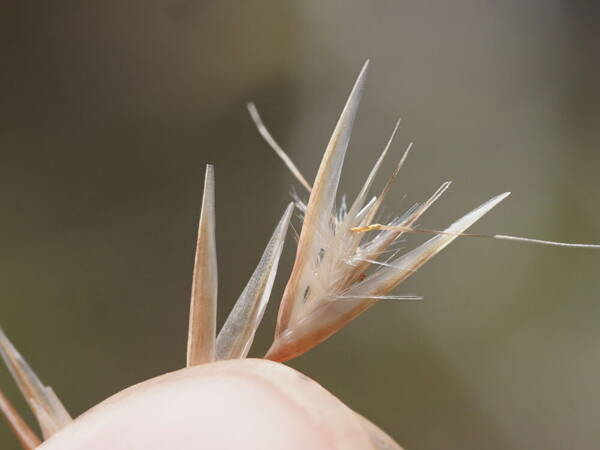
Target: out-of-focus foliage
pixel 111 109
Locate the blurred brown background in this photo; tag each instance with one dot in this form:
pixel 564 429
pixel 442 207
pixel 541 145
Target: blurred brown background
pixel 110 110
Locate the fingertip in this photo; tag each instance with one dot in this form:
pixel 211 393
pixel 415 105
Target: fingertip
pixel 227 405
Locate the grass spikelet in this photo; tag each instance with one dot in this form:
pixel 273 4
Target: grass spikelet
pixel 331 282
pixel 203 305
pixel 237 334
pixel 47 408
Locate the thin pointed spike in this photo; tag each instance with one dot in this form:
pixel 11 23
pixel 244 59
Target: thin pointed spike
pixel 27 381
pixel 203 305
pixel 264 132
pixel 24 434
pixel 321 201
pixel 408 229
pixel 381 297
pixel 384 263
pixel 237 334
pixel 428 204
pixel 360 198
pixel 49 411
pixel 543 242
pixel 388 184
pixel 399 166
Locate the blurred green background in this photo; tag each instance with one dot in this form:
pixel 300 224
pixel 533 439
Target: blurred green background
pixel 111 109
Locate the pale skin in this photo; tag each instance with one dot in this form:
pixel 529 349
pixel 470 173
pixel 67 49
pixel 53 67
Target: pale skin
pixel 236 404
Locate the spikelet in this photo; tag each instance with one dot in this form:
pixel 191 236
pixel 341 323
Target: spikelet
pixel 203 305
pixel 332 282
pixel 236 336
pixel 47 408
pixel 338 272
